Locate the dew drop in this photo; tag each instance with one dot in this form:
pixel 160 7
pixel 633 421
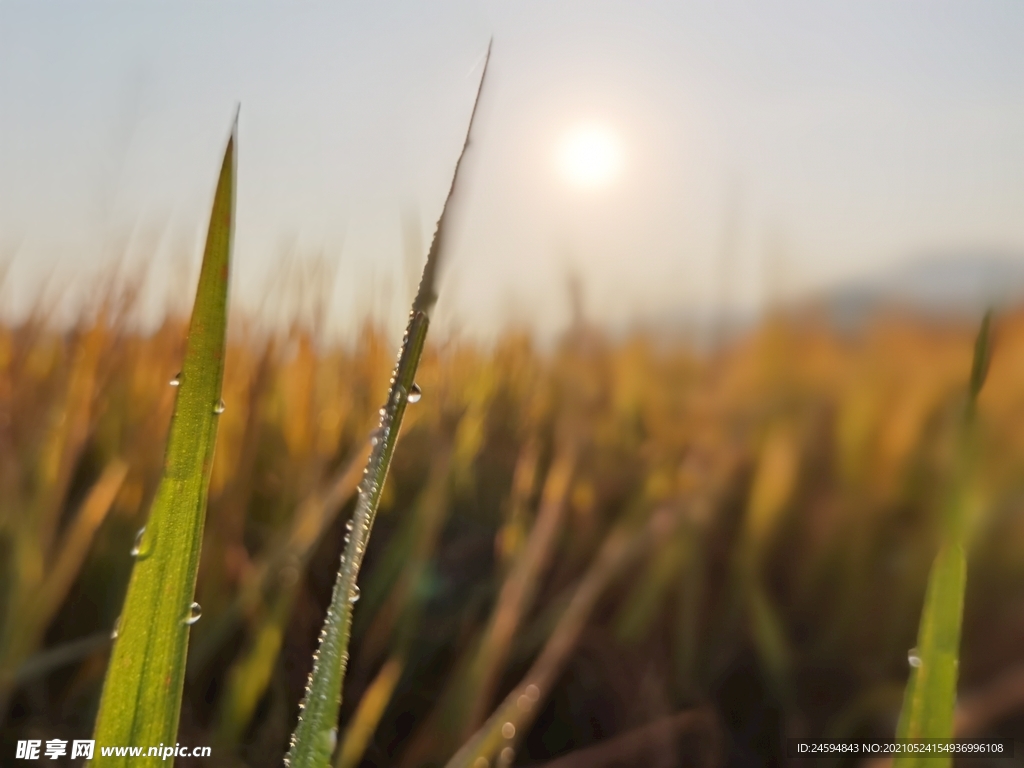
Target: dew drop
pixel 176 380
pixel 524 703
pixel 115 631
pixel 194 612
pixel 144 542
pixel 507 756
pixel 415 393
pixel 219 407
pixel 481 762
pixel 353 596
pixel 349 525
pixel 508 730
pixel 137 546
pixel 913 658
pixel 532 692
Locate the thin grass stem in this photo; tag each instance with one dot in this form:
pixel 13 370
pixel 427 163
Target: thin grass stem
pixel 315 736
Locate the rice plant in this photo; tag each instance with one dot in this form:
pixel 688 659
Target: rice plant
pixel 612 551
pixel 142 693
pixel 930 698
pixel 316 734
pixel 862 432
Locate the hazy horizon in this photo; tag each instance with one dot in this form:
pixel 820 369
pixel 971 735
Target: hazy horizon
pixel 761 151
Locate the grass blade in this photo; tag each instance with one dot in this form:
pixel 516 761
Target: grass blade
pixel 647 742
pixel 494 742
pixel 45 662
pixel 930 696
pixel 368 714
pixel 29 559
pixel 75 543
pixel 316 733
pixel 37 609
pixel 142 693
pixel 518 591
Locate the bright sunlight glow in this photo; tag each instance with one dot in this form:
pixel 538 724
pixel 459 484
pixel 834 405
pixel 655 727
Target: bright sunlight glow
pixel 589 155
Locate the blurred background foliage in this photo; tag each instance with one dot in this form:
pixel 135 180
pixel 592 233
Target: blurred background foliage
pixel 683 557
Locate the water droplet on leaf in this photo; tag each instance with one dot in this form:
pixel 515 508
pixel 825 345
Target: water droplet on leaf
pixel 115 631
pixel 219 407
pixel 194 612
pixel 353 596
pixel 415 393
pixel 137 546
pixel 508 730
pixel 176 380
pixel 913 658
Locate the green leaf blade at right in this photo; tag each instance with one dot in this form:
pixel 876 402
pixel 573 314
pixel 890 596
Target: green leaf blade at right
pixel 929 701
pixel 930 697
pixel 316 734
pixel 141 697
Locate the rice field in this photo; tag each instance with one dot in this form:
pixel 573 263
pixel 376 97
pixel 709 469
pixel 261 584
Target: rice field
pixel 635 553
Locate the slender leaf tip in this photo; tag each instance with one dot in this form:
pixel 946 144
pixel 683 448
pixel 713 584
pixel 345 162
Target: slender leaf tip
pixel 426 296
pixel 982 356
pixel 141 697
pixel 315 735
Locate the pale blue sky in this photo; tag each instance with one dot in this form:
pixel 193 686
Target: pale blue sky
pixel 851 135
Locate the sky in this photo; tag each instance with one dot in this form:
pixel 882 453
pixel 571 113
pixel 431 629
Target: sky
pixel 762 151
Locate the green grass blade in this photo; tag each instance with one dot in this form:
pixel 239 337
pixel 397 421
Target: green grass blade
pixel 142 693
pixel 316 733
pixel 930 696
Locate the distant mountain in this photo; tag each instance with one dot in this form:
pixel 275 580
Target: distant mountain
pixel 946 284
pixel 942 286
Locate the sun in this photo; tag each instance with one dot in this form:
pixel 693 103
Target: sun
pixel 589 155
